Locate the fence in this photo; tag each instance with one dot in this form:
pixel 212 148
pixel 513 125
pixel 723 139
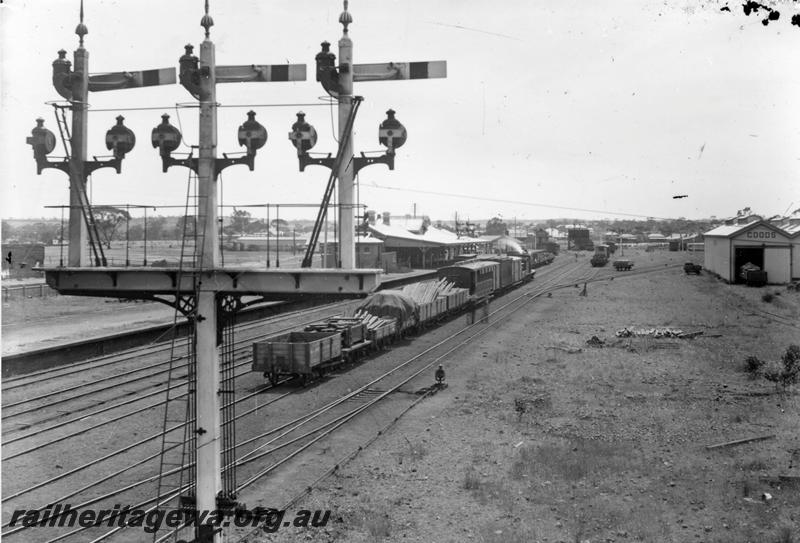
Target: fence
pixel 36 290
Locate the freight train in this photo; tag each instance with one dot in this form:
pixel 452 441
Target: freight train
pixel 388 315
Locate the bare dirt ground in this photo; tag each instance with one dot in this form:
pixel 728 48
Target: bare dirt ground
pixel 541 437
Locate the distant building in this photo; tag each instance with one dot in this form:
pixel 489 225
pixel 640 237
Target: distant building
pixel 369 254
pixel 536 239
pixel 262 241
pixel 579 239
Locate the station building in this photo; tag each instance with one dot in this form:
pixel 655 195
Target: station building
pixel 417 244
pixel 772 245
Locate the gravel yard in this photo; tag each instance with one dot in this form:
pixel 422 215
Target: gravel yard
pixel 542 437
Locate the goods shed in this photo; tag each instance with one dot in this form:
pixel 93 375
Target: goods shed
pixel 753 241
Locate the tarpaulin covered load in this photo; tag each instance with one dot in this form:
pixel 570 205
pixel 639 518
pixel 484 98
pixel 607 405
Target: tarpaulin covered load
pixel 392 304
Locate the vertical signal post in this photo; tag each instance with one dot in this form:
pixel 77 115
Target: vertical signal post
pixel 338 83
pixel 74 84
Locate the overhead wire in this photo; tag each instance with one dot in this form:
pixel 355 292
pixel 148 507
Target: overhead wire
pixel 180 127
pixel 519 202
pixel 191 105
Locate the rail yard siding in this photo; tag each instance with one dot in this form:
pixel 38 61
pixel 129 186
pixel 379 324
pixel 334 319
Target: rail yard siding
pixel 50 357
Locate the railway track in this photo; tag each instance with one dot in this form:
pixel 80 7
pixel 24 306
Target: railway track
pixel 297 435
pixel 38 378
pixel 89 388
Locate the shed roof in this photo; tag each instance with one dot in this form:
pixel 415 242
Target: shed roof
pixel 733 230
pixel 432 237
pixel 474 265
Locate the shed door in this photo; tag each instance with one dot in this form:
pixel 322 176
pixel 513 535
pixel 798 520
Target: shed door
pixel 776 264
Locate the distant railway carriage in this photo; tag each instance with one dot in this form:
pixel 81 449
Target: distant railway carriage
pixel 481 278
pixel 540 257
pixel 519 269
pixel 602 250
pixel 510 269
pixel 552 247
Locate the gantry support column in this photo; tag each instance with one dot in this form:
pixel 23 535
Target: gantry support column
pixel 209 482
pixel 345 173
pixel 78 250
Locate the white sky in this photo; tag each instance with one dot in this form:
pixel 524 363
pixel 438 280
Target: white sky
pixel 600 105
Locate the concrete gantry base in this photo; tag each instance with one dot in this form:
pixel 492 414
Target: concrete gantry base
pixel 284 284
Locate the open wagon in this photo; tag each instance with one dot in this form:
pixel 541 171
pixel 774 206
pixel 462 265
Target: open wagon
pixel 353 331
pixel 301 354
pixel 691 267
pixel 621 265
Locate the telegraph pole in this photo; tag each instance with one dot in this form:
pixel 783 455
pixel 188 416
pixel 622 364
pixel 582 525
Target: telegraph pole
pixel 78 251
pixel 345 174
pixel 209 469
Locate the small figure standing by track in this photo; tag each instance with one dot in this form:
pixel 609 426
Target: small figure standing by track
pixel 439 376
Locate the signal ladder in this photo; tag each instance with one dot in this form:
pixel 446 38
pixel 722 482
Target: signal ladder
pixel 177 470
pixel 323 208
pixel 77 180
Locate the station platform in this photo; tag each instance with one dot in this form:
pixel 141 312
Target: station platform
pixel 59 330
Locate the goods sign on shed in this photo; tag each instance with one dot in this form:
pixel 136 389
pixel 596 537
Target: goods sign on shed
pixel 762 234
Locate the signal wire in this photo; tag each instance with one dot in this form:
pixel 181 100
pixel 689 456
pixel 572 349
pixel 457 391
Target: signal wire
pixel 502 201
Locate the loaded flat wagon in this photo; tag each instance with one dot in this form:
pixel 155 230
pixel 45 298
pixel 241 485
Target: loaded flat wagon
pixel 426 312
pixel 430 312
pixel 441 304
pixel 299 354
pixel 456 299
pixel 392 304
pixel 381 331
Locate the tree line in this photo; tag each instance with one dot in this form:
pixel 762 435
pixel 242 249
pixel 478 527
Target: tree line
pixel 117 224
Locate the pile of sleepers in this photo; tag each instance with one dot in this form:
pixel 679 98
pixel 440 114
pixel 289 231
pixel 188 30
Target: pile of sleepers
pixel 353 330
pixel 656 333
pixel 436 298
pixel 379 330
